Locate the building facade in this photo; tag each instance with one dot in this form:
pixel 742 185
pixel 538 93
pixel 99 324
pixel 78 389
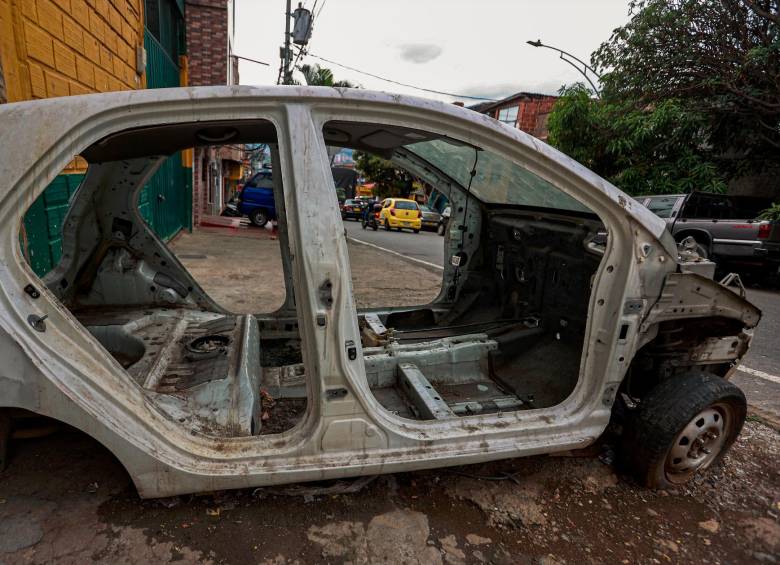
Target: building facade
pixel 54 48
pixel 525 110
pixel 210 34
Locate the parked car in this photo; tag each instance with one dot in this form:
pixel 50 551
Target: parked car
pixel 256 199
pixel 352 209
pixel 430 218
pixel 400 213
pixel 546 329
pixel 724 227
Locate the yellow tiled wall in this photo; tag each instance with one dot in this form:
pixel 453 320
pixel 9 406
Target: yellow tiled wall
pixel 67 47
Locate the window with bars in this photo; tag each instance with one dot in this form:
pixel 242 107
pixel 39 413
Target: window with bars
pixel 164 21
pixel 508 115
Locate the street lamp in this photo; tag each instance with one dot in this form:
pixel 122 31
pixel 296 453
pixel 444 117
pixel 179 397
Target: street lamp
pixel 563 54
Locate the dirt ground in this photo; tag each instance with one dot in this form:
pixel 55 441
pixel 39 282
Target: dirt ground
pixel 243 272
pixel 65 499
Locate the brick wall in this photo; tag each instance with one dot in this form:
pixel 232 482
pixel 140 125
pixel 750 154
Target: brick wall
pixel 65 47
pixel 532 112
pixel 206 22
pixel 207 29
pixel 3 98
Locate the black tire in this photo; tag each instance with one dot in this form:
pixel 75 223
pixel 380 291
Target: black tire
pixel 416 231
pixel 363 223
pixel 387 224
pixel 258 217
pixel 374 225
pixel 667 422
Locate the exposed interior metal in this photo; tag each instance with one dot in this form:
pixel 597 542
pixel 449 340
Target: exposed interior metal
pixel 506 332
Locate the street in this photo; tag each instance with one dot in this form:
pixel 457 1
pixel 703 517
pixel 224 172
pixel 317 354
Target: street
pixel 426 246
pixel 759 373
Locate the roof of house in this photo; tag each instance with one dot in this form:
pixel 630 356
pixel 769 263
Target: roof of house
pixel 483 107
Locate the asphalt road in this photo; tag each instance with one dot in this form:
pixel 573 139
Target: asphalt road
pixel 425 246
pixel 759 374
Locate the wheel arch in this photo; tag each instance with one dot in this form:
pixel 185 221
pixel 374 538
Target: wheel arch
pixel 133 461
pixel 695 324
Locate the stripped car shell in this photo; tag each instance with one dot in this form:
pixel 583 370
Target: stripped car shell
pixel 65 373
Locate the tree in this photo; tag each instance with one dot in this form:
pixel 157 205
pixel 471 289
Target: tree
pixel 390 180
pixel 315 75
pixel 718 58
pixel 650 149
pixel 690 97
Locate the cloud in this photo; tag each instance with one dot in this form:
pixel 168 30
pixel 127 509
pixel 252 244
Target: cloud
pixel 420 52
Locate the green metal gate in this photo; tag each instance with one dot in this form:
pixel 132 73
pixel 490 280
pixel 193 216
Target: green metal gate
pixel 166 201
pixel 43 223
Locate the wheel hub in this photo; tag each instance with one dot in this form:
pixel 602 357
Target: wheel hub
pixel 697 445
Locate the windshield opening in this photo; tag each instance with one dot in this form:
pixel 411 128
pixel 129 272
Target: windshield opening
pixel 497 180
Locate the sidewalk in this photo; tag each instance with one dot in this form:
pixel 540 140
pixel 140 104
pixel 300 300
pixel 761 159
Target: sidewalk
pixel 242 271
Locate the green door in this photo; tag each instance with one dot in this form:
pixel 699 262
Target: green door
pixel 166 201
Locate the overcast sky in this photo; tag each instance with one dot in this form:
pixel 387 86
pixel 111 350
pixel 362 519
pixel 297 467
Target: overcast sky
pixel 471 47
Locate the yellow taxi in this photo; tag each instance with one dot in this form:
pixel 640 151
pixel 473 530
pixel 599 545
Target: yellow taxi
pixel 400 213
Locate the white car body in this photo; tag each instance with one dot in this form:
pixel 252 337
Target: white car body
pixel 65 373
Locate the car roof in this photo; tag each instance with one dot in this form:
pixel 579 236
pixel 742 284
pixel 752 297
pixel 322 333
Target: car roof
pixel 30 128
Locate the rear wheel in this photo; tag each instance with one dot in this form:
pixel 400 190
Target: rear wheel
pixel 387 224
pixel 683 426
pixel 258 217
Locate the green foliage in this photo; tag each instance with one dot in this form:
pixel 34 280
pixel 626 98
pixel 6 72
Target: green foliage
pixel 316 75
pixel 690 98
pixel 771 213
pixel 718 58
pixel 651 149
pixel 390 180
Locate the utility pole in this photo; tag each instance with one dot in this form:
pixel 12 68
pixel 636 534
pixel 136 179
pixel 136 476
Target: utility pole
pixel 285 73
pixel 300 35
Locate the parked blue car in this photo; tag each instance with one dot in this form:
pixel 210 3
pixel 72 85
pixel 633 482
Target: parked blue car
pixel 256 199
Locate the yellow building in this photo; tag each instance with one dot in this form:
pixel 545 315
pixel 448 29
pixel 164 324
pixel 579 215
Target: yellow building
pixel 54 48
pixel 65 47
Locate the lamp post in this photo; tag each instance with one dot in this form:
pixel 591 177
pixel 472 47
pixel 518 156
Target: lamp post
pixel 563 54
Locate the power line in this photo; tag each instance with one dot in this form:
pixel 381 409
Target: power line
pixel 402 83
pixel 321 7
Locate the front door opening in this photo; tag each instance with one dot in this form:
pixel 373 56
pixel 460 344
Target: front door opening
pixel 506 329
